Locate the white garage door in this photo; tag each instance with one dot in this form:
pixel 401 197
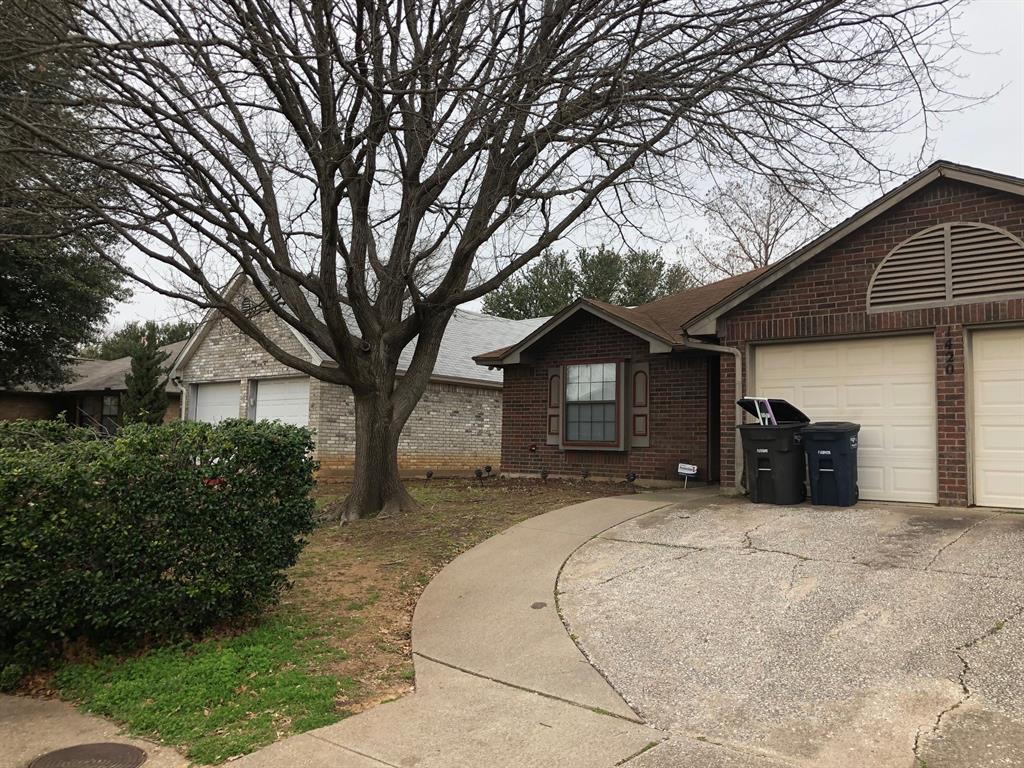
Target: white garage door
pixel 997 436
pixel 886 385
pixel 284 400
pixel 216 402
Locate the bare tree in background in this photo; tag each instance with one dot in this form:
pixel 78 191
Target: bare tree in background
pixel 369 166
pixel 750 224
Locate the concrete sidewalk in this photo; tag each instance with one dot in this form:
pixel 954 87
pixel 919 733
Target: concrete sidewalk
pixel 499 682
pixel 31 727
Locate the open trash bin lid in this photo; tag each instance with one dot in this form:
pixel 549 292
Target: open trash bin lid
pixel 785 411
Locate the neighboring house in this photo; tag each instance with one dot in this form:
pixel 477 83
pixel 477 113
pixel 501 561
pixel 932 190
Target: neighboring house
pixel 455 427
pixel 908 318
pixel 92 398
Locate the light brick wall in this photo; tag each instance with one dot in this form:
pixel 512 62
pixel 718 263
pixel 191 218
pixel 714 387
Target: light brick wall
pixel 226 354
pixel 454 428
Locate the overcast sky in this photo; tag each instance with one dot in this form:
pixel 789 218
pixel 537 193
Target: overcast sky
pixel 989 135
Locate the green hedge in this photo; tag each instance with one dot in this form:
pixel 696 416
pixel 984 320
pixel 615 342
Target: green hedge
pixel 159 532
pixel 21 434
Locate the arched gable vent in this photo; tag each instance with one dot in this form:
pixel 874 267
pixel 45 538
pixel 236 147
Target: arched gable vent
pixel 949 264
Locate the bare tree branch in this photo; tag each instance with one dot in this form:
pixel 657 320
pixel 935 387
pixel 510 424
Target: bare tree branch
pixel 369 166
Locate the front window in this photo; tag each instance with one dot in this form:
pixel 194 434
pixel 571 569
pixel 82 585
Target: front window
pixel 590 403
pixel 110 413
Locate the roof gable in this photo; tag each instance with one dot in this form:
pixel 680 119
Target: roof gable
pixel 621 317
pixel 705 323
pixel 465 332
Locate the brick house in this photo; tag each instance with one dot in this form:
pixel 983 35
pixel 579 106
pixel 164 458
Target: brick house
pixel 91 397
pixel 907 318
pixel 455 427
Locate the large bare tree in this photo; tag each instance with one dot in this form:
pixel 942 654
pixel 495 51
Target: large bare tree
pixel 370 165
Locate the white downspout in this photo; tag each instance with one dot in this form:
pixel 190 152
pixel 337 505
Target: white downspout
pixel 738 357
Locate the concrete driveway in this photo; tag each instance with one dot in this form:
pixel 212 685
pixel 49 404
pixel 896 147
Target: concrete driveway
pixel 760 636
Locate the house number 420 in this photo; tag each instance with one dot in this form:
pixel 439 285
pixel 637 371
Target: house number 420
pixel 949 351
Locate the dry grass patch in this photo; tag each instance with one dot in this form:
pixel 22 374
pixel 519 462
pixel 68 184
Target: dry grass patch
pixel 338 643
pixel 363 579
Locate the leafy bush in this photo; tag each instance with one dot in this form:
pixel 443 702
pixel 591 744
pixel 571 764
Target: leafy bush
pixel 23 433
pixel 161 531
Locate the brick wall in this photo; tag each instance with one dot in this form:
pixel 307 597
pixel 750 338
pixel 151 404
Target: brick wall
pixel 454 428
pixel 173 412
pixel 826 298
pixel 226 354
pixel 27 405
pixel 678 406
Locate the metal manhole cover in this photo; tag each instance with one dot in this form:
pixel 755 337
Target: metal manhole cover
pixel 105 755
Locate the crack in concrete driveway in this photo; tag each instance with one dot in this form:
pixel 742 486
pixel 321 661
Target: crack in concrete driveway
pixel 873 636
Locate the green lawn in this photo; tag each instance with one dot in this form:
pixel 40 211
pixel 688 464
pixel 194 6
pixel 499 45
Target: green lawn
pixel 221 697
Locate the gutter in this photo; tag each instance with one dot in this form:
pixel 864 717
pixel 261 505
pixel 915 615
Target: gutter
pixel 704 346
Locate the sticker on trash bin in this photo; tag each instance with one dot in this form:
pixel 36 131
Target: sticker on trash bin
pixel 824 453
pixel 762 450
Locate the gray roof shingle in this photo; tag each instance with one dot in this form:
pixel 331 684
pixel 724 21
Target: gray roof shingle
pixel 96 375
pixel 466 334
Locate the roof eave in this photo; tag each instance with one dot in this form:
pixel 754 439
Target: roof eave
pixel 513 356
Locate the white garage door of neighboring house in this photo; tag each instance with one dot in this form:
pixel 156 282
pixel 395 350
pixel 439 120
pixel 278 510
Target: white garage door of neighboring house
pixel 887 385
pixel 997 435
pixel 285 400
pixel 216 402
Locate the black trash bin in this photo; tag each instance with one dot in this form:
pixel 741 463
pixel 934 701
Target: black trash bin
pixel 773 454
pixel 831 448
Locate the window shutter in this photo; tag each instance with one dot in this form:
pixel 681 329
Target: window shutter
pixel 555 396
pixel 638 393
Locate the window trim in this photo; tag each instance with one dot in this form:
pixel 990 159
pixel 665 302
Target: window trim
pixel 116 416
pixel 617 442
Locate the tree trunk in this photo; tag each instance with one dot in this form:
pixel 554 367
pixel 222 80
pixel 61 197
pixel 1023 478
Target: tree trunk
pixel 376 487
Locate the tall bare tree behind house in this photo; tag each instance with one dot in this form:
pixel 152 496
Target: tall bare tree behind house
pixel 749 224
pixel 369 166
